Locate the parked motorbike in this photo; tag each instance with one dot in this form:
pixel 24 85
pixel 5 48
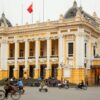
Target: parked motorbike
pixel 66 86
pixel 63 84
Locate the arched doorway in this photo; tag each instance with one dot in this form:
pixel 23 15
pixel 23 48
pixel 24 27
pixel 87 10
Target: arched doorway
pixel 31 71
pixel 54 71
pixel 11 71
pixel 42 71
pixel 21 71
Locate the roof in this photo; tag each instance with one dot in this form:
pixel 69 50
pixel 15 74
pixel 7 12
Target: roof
pixel 4 21
pixel 71 13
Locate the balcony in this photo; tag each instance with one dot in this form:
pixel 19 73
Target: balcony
pixel 54 58
pixel 11 60
pixel 31 59
pixel 42 58
pixel 21 59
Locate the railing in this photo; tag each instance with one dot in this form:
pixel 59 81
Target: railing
pixel 21 57
pixel 42 56
pixel 11 58
pixel 54 56
pixel 31 57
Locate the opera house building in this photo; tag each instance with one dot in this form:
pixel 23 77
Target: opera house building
pixel 67 48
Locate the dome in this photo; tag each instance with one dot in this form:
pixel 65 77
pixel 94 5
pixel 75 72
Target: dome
pixel 72 11
pixel 5 22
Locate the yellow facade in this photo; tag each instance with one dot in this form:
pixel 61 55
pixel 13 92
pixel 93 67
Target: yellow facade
pixel 62 49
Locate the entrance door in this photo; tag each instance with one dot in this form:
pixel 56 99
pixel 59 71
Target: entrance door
pixel 21 71
pixel 54 71
pixel 11 71
pixel 42 71
pixel 31 71
pixel 97 76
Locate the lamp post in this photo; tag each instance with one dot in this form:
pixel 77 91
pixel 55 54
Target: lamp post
pixel 62 65
pixel 85 72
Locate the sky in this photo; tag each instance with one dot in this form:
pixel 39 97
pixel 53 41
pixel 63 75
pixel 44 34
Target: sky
pixel 15 9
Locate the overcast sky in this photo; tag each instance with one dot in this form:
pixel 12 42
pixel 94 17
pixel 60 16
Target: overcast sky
pixel 52 9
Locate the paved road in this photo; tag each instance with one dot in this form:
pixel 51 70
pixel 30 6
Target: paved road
pixel 32 93
pixel 93 93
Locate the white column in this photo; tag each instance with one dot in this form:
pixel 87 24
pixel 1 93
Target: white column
pixel 16 54
pixel 60 48
pixel 26 53
pixel 89 53
pixel 0 56
pixel 80 49
pixel 48 52
pixel 4 55
pixel 37 49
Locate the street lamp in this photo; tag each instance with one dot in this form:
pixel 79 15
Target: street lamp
pixel 65 70
pixel 85 72
pixel 62 65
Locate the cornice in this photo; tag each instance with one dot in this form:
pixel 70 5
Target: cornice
pixel 40 27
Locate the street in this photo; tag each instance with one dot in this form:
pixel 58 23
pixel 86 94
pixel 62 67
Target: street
pixel 32 93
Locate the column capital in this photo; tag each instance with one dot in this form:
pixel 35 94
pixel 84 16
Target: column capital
pixel 36 39
pixel 4 41
pixel 48 38
pixel 15 41
pixel 61 35
pixel 26 40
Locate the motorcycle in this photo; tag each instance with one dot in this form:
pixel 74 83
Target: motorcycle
pixel 84 87
pixel 66 86
pixel 44 88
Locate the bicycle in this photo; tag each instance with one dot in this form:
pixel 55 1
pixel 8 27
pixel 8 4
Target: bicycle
pixel 21 90
pixel 15 95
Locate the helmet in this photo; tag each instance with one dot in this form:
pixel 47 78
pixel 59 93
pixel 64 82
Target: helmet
pixel 11 79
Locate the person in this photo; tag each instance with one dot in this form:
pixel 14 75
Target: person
pixel 42 84
pixel 81 84
pixel 14 80
pixel 66 83
pixel 61 84
pixel 11 81
pixel 20 84
pixel 7 87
